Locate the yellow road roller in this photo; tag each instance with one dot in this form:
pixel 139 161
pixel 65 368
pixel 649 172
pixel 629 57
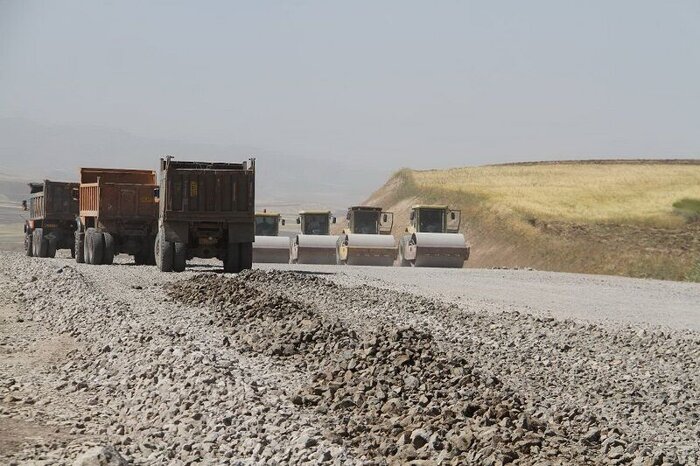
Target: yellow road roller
pixel 315 244
pixel 269 247
pixel 367 240
pixel 432 239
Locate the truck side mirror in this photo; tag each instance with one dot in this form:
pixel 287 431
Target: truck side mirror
pixel 333 219
pixel 24 205
pixel 283 222
pixel 385 218
pixel 75 193
pixel 452 215
pixel 298 221
pixel 347 217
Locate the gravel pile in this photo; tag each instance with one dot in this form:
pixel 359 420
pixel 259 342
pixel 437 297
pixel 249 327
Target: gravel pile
pixel 292 368
pixel 392 392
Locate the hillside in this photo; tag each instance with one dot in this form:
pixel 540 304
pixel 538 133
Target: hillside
pixel 635 218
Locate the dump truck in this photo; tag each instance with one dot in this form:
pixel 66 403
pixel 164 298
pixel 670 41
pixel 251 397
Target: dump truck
pixel 118 215
pixel 51 224
pixel 207 210
pixel 269 247
pixel 315 244
pixel 432 239
pixel 367 240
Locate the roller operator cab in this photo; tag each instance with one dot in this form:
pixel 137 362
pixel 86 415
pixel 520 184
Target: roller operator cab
pixel 269 247
pixel 52 208
pixel 367 240
pixel 432 239
pixel 207 210
pixel 315 244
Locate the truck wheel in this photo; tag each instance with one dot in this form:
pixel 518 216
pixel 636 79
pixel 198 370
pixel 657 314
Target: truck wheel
pixel 51 247
pixel 79 247
pixel 41 244
pixel 94 245
pixel 108 253
pixel 164 252
pixel 232 262
pixel 28 244
pixel 149 255
pixel 180 257
pixel 246 256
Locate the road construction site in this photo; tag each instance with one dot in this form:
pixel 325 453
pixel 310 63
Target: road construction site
pixel 344 365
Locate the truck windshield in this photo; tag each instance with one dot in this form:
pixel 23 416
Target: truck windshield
pixel 365 222
pixel 266 226
pixel 315 224
pixel 431 221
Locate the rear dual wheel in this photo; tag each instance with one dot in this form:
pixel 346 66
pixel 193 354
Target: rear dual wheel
pixel 99 247
pixel 40 245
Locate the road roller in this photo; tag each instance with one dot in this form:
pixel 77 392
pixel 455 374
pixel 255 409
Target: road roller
pixel 432 239
pixel 269 246
pixel 315 244
pixel 367 240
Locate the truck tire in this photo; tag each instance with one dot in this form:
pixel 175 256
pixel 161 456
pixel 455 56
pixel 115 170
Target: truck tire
pixel 108 253
pixel 28 244
pixel 79 247
pixel 94 245
pixel 51 247
pixel 232 262
pixel 150 257
pixel 179 257
pixel 246 251
pixel 41 244
pixel 164 252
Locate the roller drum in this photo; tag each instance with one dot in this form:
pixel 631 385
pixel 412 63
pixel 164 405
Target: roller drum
pixel 314 249
pixel 436 250
pixel 362 249
pixel 271 249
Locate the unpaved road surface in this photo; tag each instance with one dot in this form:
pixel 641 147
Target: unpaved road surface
pixel 396 366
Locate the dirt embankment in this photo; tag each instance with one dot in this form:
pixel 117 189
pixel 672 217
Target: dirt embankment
pixel 502 237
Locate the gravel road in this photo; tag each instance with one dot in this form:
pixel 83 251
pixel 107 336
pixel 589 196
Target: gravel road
pixel 344 366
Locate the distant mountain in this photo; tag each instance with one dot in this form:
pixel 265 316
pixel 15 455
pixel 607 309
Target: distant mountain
pixel 34 151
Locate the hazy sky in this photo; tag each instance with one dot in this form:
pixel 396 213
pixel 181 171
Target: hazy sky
pixel 388 83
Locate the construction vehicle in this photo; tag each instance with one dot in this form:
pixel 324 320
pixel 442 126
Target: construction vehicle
pixel 367 240
pixel 269 246
pixel 207 210
pixel 118 215
pixel 432 239
pixel 51 224
pixel 315 244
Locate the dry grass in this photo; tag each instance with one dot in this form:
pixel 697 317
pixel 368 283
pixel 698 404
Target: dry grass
pixel 582 193
pixel 634 219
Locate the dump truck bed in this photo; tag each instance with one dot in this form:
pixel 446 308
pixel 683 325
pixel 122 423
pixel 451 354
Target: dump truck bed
pixel 207 192
pixel 116 194
pixel 54 200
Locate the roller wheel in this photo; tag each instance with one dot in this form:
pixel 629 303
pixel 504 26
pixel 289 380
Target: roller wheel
pixel 51 247
pixel 179 257
pixel 28 244
pixel 164 253
pixel 41 244
pixel 108 254
pixel 79 248
pixel 246 256
pixel 232 262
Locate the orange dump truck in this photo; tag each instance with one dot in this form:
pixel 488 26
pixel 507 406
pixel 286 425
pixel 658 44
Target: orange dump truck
pixel 118 215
